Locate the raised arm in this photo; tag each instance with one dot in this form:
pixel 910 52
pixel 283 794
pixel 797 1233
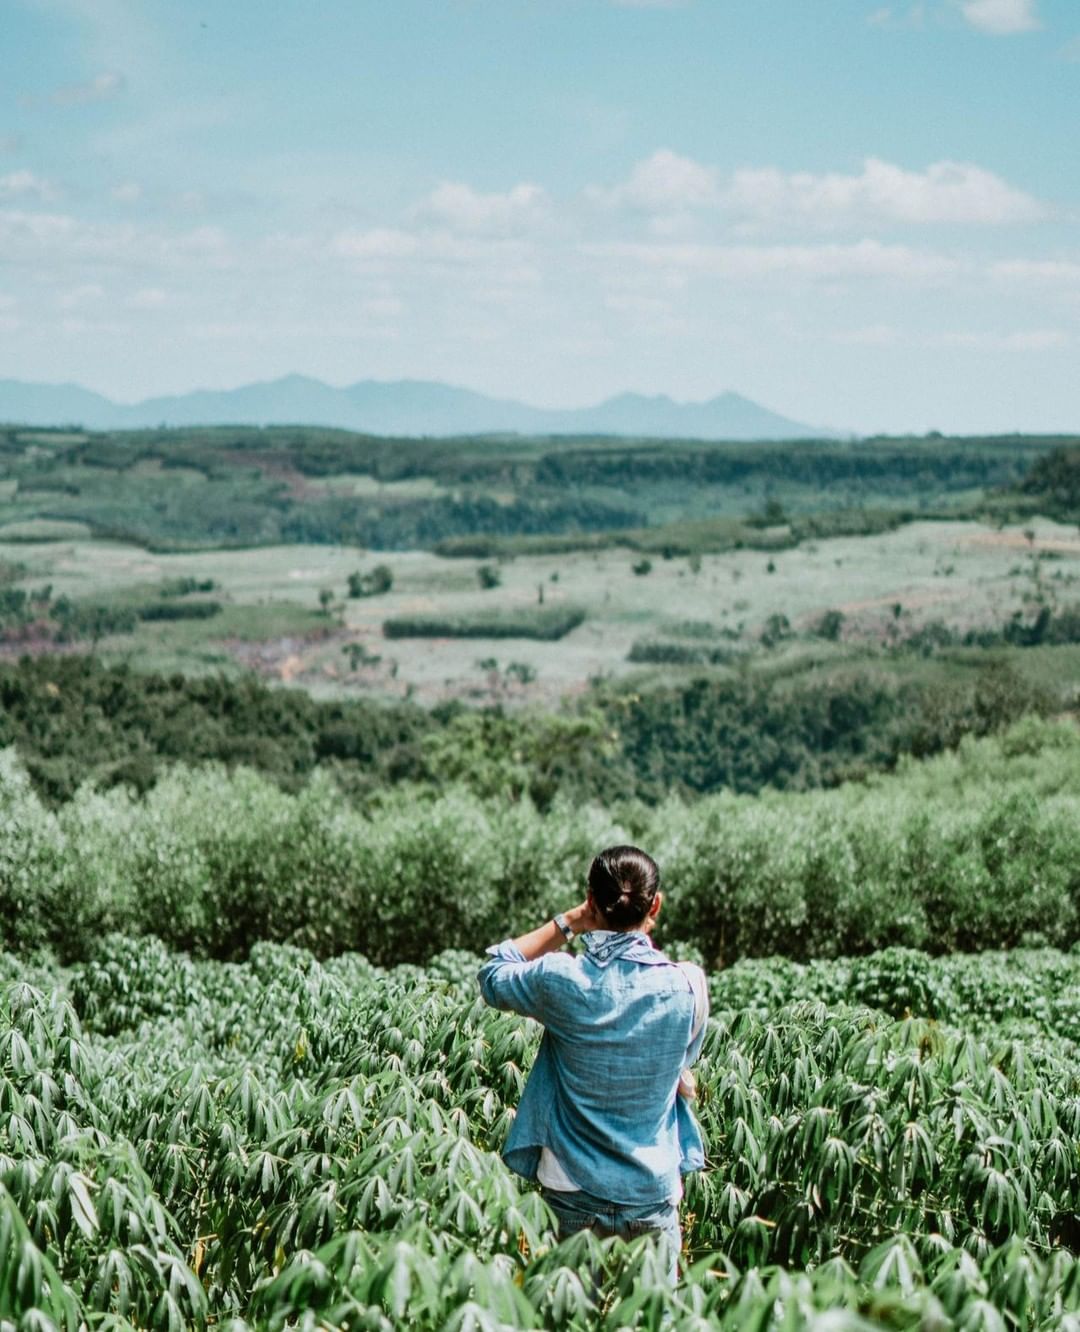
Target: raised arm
pixel 549 938
pixel 512 978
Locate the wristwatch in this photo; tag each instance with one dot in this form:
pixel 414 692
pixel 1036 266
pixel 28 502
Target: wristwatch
pixel 564 928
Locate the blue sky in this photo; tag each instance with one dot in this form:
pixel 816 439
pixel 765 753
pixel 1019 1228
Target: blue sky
pixel 864 215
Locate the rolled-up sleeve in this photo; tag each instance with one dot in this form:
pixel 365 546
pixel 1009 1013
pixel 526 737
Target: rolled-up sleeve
pixel 509 981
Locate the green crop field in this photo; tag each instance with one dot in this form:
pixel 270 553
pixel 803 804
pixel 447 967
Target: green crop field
pixel 285 1144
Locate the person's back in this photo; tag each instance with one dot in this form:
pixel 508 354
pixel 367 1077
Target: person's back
pixel 602 1124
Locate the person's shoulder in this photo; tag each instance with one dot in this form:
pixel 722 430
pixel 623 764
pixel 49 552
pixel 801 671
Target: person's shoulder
pixel 695 977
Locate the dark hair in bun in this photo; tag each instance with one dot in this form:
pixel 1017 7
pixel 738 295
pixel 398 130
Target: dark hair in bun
pixel 623 881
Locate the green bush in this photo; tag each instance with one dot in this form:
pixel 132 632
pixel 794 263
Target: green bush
pixel 179 610
pixel 541 622
pixel 979 849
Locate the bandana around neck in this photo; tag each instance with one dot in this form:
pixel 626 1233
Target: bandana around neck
pixel 604 946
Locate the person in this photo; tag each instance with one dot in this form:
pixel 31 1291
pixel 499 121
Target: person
pixel 604 1124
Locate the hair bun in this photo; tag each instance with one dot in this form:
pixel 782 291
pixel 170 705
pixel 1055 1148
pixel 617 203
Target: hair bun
pixel 623 881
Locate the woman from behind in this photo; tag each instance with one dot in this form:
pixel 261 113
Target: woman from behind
pixel 604 1123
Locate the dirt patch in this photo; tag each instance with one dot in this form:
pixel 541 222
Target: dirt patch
pixel 278 658
pixel 910 601
pixel 1017 541
pixel 41 645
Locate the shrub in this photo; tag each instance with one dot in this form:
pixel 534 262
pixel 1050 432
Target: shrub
pixel 372 584
pixel 542 622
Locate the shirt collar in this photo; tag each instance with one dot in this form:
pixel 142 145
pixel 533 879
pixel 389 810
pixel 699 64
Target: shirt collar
pixel 604 946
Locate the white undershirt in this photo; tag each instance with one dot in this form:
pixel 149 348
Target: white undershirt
pixel 550 1172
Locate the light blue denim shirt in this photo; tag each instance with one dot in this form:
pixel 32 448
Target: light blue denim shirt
pixel 617 1019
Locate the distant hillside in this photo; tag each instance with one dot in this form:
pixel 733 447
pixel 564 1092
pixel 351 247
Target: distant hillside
pixel 403 407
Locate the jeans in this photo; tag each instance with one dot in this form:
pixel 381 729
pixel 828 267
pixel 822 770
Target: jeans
pixel 581 1211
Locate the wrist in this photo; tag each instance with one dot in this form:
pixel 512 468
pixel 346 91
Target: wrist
pixel 579 919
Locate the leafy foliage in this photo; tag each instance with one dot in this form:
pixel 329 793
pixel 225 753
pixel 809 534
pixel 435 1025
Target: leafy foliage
pixel 281 1143
pixel 1054 481
pixel 74 720
pixel 978 849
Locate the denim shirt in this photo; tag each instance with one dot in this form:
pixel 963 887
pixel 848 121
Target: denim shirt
pixel 617 1023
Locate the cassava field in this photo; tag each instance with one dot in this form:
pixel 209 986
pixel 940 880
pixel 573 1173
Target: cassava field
pixel 297 722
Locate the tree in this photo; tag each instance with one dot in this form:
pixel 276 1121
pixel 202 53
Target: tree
pixel 829 626
pixel 373 584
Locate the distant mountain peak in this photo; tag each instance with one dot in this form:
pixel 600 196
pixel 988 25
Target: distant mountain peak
pixel 399 407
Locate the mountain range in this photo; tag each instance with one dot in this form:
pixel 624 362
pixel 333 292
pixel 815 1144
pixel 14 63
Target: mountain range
pixel 401 407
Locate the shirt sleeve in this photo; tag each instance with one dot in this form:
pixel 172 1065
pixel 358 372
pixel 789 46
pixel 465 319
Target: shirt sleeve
pixel 510 982
pixel 700 987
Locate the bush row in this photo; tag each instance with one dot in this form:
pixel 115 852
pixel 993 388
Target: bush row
pixel 979 849
pixel 542 622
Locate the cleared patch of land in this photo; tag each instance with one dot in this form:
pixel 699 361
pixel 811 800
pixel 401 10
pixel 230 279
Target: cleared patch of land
pixel 273 619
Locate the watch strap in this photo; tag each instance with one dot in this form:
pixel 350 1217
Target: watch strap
pixel 564 928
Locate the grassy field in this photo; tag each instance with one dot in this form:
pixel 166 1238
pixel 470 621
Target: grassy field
pixel 886 586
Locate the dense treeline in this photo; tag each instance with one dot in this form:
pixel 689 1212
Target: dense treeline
pixel 403 525
pixel 885 465
pixel 73 719
pixel 245 486
pixel 747 732
pixel 690 536
pixel 1054 482
pixel 974 850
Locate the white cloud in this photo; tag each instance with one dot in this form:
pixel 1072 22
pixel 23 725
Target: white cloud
pixel 870 335
pixel 665 182
pixel 957 192
pixel 60 239
pixel 1038 272
pixel 382 307
pixel 21 184
pixel 432 253
pixel 864 259
pixel 1024 340
pixel 129 192
pixel 148 298
pixel 1037 339
pixel 463 209
pixel 98 89
pixel 376 243
pixel 74 326
pixel 1001 17
pixel 87 293
pixel 667 186
pixel 911 16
